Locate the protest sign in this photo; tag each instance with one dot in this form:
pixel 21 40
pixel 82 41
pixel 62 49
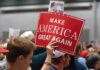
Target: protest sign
pixel 62 28
pixel 56 6
pixel 14 32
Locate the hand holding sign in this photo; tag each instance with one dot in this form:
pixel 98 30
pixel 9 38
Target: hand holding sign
pixel 51 47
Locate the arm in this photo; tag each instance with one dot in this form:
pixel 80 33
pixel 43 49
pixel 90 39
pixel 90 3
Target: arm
pixel 47 63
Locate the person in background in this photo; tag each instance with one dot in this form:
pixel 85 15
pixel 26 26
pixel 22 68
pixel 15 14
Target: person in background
pixel 77 62
pixel 97 64
pixel 39 53
pixel 31 36
pixel 21 53
pixel 93 61
pixel 80 62
pixel 91 47
pixel 28 35
pixel 3 51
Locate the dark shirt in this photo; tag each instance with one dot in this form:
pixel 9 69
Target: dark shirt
pixel 79 66
pixel 38 60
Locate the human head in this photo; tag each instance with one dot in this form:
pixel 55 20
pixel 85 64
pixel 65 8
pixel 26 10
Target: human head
pixel 60 58
pixel 21 52
pixel 28 35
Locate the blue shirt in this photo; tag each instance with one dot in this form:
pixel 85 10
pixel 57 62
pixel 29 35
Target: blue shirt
pixel 38 60
pixel 80 66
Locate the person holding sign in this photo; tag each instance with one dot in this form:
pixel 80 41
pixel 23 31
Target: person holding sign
pixel 59 60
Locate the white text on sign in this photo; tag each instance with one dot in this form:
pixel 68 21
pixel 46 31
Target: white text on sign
pixel 57 21
pixel 58 31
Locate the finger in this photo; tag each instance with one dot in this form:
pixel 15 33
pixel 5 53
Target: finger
pixel 53 43
pixel 54 47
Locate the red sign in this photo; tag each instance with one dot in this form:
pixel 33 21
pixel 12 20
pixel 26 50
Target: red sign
pixel 62 28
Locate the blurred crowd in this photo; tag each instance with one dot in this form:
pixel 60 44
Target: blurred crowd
pixel 21 53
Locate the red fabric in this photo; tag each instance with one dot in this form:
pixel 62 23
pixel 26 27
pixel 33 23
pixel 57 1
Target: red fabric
pixel 4 51
pixel 84 53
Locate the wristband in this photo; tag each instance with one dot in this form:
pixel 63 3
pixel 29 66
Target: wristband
pixel 47 63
